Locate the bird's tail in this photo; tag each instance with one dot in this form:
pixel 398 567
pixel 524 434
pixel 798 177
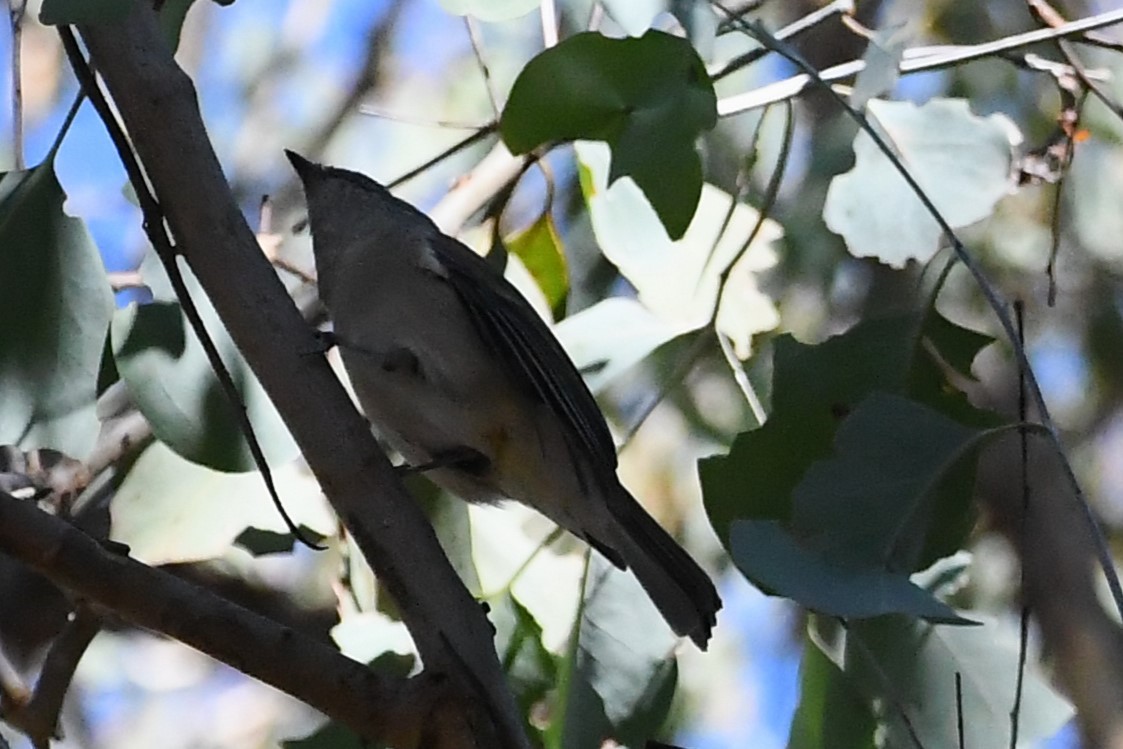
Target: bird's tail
pixel 680 589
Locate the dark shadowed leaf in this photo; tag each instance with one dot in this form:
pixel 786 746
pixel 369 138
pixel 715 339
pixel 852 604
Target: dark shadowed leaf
pixel 55 306
pixel 649 98
pixel 869 504
pixel 770 557
pixel 332 736
pixel 920 661
pixel 65 12
pixel 815 387
pixel 623 674
pixel 173 385
pixel 260 542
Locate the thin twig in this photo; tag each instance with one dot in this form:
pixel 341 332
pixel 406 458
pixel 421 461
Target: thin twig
pixel 741 378
pixel 153 226
pixel 39 720
pixel 477 50
pixel 690 357
pixel 1044 13
pixel 1058 203
pixel 959 711
pixel 373 111
pixel 119 280
pixel 452 150
pixel 990 294
pixel 548 12
pixel 913 61
pixel 1048 15
pixel 15 17
pixel 750 6
pixel 1023 436
pixel 792 30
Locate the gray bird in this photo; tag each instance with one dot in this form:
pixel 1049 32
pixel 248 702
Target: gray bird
pixel 458 372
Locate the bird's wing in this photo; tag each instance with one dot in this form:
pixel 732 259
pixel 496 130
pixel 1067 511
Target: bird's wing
pixel 534 358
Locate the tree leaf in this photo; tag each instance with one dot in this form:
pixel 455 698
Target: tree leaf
pixel 757 477
pixel 540 249
pixel 532 671
pixel 815 387
pixel 611 336
pixel 648 98
pixel 962 162
pixel 55 306
pixel 679 281
pixel 831 713
pixel 173 385
pixel 870 503
pixel 623 675
pixel 262 543
pixel 71 12
pixel 920 661
pixel 169 510
pixel 770 557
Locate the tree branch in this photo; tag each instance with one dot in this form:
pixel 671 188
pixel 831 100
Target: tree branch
pixel 157 103
pixel 374 705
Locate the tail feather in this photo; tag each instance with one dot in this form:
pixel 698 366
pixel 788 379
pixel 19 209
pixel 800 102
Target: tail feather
pixel 680 589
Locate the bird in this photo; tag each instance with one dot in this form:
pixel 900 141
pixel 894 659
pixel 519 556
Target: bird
pixel 460 375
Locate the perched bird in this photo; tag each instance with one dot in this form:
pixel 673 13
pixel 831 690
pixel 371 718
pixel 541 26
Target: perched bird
pixel 459 374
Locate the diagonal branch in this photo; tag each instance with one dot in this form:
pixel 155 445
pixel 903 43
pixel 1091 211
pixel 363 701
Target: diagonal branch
pixel 157 103
pixel 374 705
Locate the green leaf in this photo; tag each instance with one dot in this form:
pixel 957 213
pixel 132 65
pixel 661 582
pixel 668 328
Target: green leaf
pixel 770 557
pixel 648 98
pixel 962 162
pixel 763 467
pixel 172 15
pixel 815 387
pixel 623 673
pixel 532 671
pixel 55 306
pixel 919 661
pixel 870 503
pixel 832 714
pixel 490 10
pixel 173 385
pixel 169 510
pixel 540 249
pixel 69 12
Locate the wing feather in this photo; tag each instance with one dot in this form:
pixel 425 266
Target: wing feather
pixel 534 358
